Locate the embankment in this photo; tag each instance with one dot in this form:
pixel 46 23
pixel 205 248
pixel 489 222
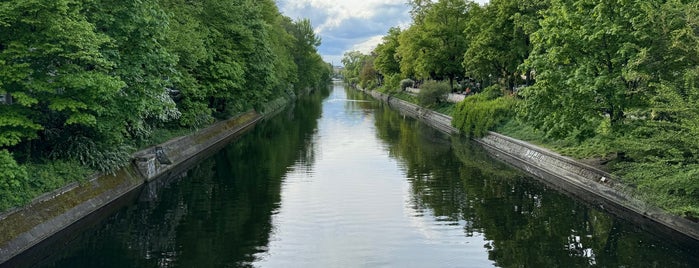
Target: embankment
pixel 585 182
pixel 25 227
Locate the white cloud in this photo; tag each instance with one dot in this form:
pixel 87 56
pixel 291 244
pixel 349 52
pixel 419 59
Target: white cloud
pixel 368 45
pixel 339 11
pixel 350 24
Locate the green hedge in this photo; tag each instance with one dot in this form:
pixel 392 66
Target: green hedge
pixel 479 113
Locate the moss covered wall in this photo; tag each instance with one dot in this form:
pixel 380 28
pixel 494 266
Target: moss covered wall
pixel 25 227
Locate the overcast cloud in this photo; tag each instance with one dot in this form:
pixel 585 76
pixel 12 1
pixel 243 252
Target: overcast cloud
pixel 351 24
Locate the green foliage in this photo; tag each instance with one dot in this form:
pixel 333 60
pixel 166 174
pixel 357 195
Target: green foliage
pixel 13 182
pixel 406 83
pixel 89 79
pixel 480 113
pixel 433 93
pixel 54 69
pixel 385 61
pixel 19 184
pixel 359 70
pixel 46 177
pixel 97 156
pixel 391 82
pixel 433 47
pixel 499 40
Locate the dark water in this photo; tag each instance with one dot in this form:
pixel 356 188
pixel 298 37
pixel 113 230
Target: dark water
pixel 341 181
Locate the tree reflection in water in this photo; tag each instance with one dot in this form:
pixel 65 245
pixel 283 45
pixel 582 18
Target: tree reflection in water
pixel 525 223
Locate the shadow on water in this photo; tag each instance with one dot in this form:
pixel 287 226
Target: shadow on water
pixel 217 214
pixel 525 223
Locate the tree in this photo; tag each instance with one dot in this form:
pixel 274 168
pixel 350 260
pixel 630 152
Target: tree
pixel 353 62
pixel 137 30
pixel 584 57
pixel 434 46
pixel 499 41
pixel 186 38
pixel 55 72
pixel 304 50
pixel 386 62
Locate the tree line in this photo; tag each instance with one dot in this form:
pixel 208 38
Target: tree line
pixel 614 79
pixel 85 82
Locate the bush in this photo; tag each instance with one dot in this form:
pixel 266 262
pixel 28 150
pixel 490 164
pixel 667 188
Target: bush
pixel 97 156
pixel 391 83
pixel 405 83
pixel 433 93
pixel 479 113
pixel 13 182
pixel 368 84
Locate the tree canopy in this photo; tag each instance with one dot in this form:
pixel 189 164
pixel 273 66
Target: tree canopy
pixel 88 80
pixel 620 75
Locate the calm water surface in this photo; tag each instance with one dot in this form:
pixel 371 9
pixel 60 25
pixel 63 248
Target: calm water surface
pixel 341 181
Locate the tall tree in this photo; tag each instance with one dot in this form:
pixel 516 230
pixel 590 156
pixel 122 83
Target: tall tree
pixel 138 30
pixel 187 36
pixel 436 39
pixel 53 69
pixel 499 42
pixel 386 62
pixel 304 50
pixel 584 58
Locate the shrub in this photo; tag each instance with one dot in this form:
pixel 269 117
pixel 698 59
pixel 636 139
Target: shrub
pixel 100 157
pixel 405 83
pixel 368 84
pixel 13 182
pixel 478 114
pixel 391 83
pixel 432 93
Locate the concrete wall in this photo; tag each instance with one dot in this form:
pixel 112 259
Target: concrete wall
pixel 583 181
pixel 432 118
pixel 22 228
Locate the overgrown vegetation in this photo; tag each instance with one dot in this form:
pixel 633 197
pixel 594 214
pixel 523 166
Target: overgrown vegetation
pixel 85 83
pixel 614 80
pixel 433 93
pixel 479 113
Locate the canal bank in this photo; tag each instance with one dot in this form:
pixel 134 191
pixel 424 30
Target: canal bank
pixel 585 182
pixel 57 211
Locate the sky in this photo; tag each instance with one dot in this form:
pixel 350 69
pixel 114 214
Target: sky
pixel 350 24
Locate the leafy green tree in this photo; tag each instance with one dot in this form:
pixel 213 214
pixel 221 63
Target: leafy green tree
pixel 305 53
pixel 385 61
pixel 137 30
pixel 186 38
pixel 353 62
pixel 409 44
pixel 584 57
pixel 56 74
pixel 499 41
pixel 281 42
pixel 434 46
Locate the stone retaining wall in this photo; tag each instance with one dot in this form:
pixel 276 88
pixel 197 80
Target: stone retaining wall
pixel 23 228
pixel 586 182
pixel 434 119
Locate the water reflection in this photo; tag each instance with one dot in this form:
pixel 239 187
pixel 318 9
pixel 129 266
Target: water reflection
pixel 351 183
pixel 525 223
pixel 217 215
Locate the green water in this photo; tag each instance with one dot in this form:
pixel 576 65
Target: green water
pixel 339 180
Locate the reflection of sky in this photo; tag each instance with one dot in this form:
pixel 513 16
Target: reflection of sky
pixel 352 209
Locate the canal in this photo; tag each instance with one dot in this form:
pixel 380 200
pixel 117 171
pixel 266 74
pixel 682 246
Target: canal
pixel 339 180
